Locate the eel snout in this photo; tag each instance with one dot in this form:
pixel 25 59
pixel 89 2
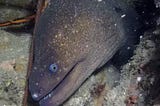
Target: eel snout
pixel 68 86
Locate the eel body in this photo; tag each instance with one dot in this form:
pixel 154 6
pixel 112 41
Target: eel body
pixel 72 39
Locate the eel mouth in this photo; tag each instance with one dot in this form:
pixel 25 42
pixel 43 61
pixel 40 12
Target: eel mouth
pixel 50 94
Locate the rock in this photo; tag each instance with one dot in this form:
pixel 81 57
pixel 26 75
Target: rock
pixel 92 92
pixel 14 51
pixel 19 3
pixel 16 9
pixel 12 13
pixel 157 3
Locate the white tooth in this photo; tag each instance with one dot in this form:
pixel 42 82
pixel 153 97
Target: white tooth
pixel 49 95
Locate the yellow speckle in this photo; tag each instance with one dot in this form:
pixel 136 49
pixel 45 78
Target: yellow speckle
pixel 58 78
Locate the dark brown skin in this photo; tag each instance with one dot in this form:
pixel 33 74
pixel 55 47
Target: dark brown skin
pixel 76 37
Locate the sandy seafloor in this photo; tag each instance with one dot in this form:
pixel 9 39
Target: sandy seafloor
pixel 104 88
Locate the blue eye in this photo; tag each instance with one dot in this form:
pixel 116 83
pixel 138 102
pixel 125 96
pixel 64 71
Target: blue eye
pixel 53 68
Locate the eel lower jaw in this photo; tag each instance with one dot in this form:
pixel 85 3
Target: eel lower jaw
pixel 64 89
pixel 50 94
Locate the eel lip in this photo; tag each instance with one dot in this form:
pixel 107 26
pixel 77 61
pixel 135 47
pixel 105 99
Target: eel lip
pixel 36 96
pixel 44 101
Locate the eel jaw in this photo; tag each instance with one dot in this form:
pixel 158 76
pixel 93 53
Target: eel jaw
pixel 36 96
pixel 51 93
pixel 68 86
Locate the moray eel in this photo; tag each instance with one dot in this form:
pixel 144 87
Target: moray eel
pixel 72 39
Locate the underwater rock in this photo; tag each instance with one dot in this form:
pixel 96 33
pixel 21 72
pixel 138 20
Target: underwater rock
pixel 14 51
pixel 11 13
pixel 19 3
pixel 157 3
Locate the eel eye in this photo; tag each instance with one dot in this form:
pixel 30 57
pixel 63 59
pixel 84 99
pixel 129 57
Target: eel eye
pixel 53 68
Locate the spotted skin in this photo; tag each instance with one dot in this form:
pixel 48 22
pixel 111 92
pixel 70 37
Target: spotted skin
pixel 78 36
